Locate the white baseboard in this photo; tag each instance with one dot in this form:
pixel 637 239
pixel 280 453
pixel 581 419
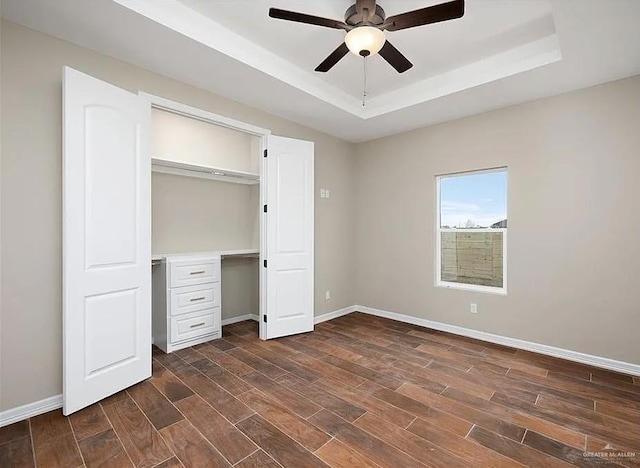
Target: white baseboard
pixel 23 412
pixel 317 318
pixel 239 318
pixel 334 314
pixel 591 360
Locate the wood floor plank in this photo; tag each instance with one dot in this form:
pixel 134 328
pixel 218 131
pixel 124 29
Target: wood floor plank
pixel 140 439
pixel 188 355
pixel 104 450
pixel 570 389
pixel 570 422
pixel 615 411
pixel 412 406
pixel 154 405
pixel 224 360
pixel 258 459
pixel 225 403
pixel 278 445
pixel 177 366
pixel 191 448
pixel 222 345
pixel 338 455
pixel 555 431
pixel 285 363
pixel 622 457
pixel 17 453
pixel 543 386
pixel 467 413
pixel 48 426
pixel 259 364
pixel 472 453
pixel 14 431
pixel 116 397
pixel 369 403
pixel 287 397
pixel 327 400
pixel 223 435
pixel 226 380
pixel 330 348
pixel 411 444
pixel 353 368
pixel 61 451
pixel 294 426
pixel 361 441
pixel 616 424
pixel 168 384
pixel 561 451
pixel 89 421
pixel 358 391
pixel 327 370
pixel 514 450
pixel 464 381
pixel 172 462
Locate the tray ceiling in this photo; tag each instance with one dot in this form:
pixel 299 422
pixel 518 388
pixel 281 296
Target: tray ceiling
pixel 500 53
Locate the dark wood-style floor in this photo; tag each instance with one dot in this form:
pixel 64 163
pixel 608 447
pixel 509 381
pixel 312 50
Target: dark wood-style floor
pixel 358 391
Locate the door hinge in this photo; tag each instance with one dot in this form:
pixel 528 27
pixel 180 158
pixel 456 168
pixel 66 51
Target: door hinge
pixel 265 208
pixel 264 318
pixel 265 153
pixel 265 264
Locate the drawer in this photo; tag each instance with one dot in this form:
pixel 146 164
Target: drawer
pixel 196 271
pixel 192 298
pixel 189 326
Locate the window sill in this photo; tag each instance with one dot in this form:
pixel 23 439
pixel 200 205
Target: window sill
pixel 472 288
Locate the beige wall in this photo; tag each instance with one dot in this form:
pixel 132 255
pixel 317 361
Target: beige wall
pixel 31 347
pixel 196 215
pixel 574 222
pixel 240 286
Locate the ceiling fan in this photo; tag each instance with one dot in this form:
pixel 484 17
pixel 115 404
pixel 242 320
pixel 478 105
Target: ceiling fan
pixel 366 23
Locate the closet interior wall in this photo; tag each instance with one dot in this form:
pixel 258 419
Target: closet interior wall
pixel 193 214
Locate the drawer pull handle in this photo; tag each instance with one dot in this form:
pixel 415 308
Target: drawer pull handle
pixel 197 272
pixel 201 298
pixel 196 325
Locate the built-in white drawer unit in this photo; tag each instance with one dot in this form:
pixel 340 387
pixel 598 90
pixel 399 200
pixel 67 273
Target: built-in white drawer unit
pixel 194 325
pixel 193 271
pixel 191 298
pixel 186 301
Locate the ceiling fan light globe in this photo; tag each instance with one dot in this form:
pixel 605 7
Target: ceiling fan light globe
pixel 365 39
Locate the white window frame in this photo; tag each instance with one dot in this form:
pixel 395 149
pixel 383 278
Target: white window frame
pixel 438 254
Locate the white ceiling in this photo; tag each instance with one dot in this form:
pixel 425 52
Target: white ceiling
pixel 501 52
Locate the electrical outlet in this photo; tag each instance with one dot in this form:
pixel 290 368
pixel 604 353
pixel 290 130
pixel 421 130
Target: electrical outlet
pixel 327 295
pixel 474 308
pixel 327 193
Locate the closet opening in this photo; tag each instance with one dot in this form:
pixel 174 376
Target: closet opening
pixel 207 233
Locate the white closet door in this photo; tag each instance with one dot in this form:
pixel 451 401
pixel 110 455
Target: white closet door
pixel 107 240
pixel 289 222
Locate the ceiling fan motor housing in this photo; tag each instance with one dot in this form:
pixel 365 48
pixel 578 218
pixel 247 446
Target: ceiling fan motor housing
pixel 353 18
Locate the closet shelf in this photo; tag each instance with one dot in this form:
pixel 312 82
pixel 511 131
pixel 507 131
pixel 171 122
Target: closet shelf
pixel 166 166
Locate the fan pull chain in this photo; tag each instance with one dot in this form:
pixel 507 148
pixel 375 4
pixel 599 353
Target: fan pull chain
pixel 364 84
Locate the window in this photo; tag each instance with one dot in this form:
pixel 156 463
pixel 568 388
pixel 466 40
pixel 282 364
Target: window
pixel 471 225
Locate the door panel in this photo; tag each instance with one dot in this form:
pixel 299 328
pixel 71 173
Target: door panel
pixel 107 240
pixel 290 225
pixel 110 155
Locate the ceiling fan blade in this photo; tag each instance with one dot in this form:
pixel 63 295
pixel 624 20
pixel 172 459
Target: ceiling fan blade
pixel 369 6
pixel 332 59
pixel 434 14
pixel 395 58
pixel 307 19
